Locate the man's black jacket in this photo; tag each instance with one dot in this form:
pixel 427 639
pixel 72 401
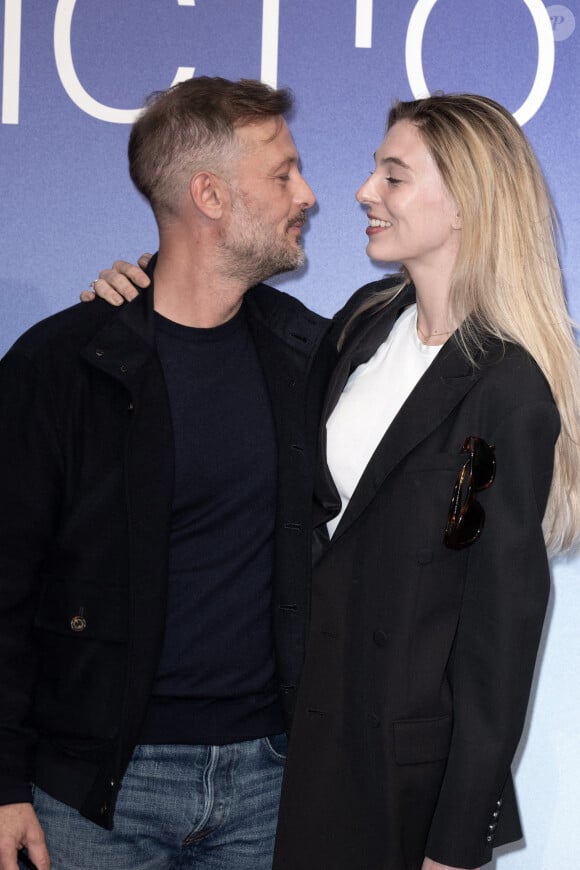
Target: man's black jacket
pixel 86 459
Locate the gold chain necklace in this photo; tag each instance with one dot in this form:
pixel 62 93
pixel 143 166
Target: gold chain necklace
pixel 427 337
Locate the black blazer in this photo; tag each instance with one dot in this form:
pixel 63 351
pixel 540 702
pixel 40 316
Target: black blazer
pixel 420 658
pixel 86 464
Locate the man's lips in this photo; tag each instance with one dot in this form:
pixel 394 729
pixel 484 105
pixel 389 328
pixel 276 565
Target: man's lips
pixel 297 221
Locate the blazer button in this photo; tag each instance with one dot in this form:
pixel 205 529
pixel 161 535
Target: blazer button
pixel 373 720
pixel 380 638
pixel 78 623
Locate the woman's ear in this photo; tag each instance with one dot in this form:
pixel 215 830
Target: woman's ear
pixel 457 223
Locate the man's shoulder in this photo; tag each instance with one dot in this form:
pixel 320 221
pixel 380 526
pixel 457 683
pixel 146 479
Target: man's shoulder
pixel 65 332
pixel 270 297
pixel 280 309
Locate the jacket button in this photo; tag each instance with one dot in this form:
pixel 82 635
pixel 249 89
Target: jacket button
pixel 99 352
pixel 104 809
pixel 380 638
pixel 373 720
pixel 78 623
pixel 123 368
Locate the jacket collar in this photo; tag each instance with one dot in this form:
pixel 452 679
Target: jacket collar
pixel 121 347
pixel 125 343
pixel 286 318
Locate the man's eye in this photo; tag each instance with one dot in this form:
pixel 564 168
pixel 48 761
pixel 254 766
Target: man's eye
pixel 284 177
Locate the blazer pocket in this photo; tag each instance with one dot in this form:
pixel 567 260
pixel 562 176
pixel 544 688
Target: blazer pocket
pixel 421 740
pixel 435 462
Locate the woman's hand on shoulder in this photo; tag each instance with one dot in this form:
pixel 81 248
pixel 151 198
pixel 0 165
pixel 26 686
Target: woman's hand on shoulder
pixel 119 284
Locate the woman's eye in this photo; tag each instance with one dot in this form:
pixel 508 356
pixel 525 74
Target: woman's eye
pixel 392 180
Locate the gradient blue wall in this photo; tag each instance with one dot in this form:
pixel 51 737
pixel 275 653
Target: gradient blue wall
pixel 76 71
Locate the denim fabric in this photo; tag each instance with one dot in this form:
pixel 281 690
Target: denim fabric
pixel 179 807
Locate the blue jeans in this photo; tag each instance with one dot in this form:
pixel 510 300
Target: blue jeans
pixel 179 807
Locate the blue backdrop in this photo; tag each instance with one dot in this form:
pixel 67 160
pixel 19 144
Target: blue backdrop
pixel 74 74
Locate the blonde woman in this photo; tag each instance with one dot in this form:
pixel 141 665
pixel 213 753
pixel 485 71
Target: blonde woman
pixel 451 463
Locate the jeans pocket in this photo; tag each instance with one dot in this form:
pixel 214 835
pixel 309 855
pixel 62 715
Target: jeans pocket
pixel 277 747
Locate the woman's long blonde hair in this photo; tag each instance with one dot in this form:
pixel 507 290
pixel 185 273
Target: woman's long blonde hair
pixel 507 279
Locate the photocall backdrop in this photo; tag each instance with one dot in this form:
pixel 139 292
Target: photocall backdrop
pixel 74 75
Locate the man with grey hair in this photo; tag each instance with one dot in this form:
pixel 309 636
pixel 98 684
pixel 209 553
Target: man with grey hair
pixel 157 481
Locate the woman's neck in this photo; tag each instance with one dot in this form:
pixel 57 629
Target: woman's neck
pixel 435 321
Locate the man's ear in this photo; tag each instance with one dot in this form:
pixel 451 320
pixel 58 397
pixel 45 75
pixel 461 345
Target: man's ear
pixel 209 194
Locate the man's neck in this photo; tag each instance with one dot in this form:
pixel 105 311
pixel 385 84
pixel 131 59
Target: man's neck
pixel 190 289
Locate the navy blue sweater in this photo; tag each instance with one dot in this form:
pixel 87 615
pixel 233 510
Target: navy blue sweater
pixel 215 681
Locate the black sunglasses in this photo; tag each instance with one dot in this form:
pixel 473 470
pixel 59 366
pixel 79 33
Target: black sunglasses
pixel 466 515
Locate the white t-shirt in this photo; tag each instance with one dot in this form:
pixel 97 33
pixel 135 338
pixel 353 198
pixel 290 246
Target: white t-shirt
pixel 371 399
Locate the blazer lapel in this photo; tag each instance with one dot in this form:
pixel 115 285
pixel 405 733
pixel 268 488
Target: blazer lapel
pixel 447 380
pixel 360 344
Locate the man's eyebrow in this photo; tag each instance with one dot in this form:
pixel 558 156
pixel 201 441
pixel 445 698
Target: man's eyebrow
pixel 287 162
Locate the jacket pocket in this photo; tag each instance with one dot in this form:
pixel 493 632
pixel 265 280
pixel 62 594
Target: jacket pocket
pixel 80 635
pixel 83 611
pixel 422 740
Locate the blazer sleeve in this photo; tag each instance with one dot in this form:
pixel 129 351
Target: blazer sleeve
pixel 30 471
pixel 498 634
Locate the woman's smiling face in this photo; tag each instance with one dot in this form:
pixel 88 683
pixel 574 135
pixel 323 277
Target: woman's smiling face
pixel 413 219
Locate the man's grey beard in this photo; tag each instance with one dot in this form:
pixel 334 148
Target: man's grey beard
pixel 255 265
pixel 256 253
pixel 255 262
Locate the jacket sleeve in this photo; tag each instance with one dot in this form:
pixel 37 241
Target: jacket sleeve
pixel 30 471
pixel 498 634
